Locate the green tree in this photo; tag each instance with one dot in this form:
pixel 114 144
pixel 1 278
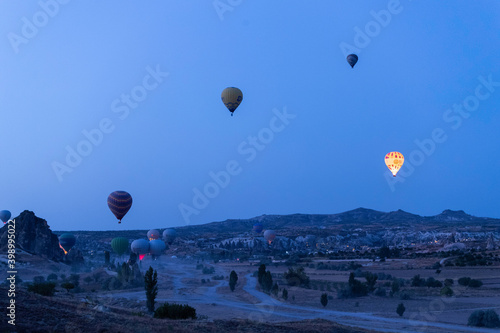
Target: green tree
pixel 150 284
pixel 87 280
pixel 233 278
pixel 324 299
pixel 401 309
pixel 371 279
pixel 52 277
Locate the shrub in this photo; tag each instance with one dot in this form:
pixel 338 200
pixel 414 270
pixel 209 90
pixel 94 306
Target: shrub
pixel 208 270
pixel 464 281
pixel 324 299
pixel 43 288
pixel 296 277
pixel 400 309
pixel 448 282
pixel 480 318
pixel 447 291
pixel 475 283
pixel 68 286
pixel 52 277
pixel 175 311
pixel 381 292
pixel 417 281
pixel 38 279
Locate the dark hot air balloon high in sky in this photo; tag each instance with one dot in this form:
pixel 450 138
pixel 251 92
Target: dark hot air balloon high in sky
pixel 66 242
pixel 5 216
pixel 169 235
pixel 153 234
pixel 119 202
pixel 119 245
pixel 352 59
pixel 231 97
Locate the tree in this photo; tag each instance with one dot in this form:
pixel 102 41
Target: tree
pixel 324 299
pixel 267 282
pixel 87 279
pixel 447 291
pixel 106 257
pixel 275 289
pixel 284 295
pixel 401 309
pixel 68 286
pixel 43 288
pixel 52 277
pixel 480 318
pixel 395 286
pixel 371 279
pixel 233 278
pixel 261 273
pixel 296 277
pixel 150 284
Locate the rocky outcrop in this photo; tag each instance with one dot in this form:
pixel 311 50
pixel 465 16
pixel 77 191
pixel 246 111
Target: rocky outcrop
pixel 33 235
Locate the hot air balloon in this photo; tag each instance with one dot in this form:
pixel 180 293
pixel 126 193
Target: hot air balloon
pixel 169 235
pixel 66 242
pixel 140 247
pixel 153 234
pixel 119 245
pixel 352 59
pixel 269 235
pixel 119 202
pixel 257 227
pixel 394 161
pixel 156 247
pixel 231 97
pixel 5 216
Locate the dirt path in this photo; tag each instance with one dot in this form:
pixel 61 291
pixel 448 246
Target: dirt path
pixel 269 309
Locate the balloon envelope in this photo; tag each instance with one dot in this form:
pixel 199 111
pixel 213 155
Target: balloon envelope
pixel 169 235
pixel 352 59
pixel 140 247
pixel 119 245
pixel 66 242
pixel 156 247
pixel 269 235
pixel 231 97
pixel 5 216
pixel 394 161
pixel 119 202
pixel 153 234
pixel 257 228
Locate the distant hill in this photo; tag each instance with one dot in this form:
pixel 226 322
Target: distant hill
pixel 359 216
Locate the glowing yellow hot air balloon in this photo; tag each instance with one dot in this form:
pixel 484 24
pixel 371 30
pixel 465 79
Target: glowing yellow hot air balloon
pixel 231 97
pixel 394 161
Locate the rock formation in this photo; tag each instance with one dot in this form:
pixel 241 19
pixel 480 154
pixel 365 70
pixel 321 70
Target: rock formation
pixel 33 235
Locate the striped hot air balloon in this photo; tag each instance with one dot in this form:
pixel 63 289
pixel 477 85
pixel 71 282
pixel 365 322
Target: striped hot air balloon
pixel 119 202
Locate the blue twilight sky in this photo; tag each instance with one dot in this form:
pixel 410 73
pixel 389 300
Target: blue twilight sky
pixel 309 137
